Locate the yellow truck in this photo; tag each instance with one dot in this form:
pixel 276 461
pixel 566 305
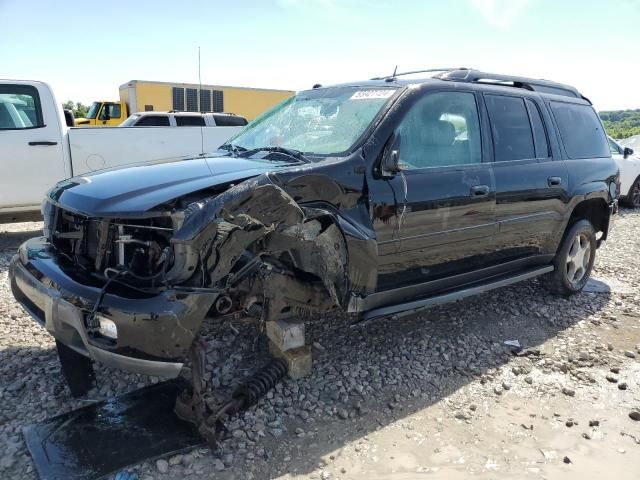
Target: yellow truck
pixel 145 96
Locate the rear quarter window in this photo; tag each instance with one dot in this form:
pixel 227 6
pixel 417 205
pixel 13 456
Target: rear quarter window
pixel 580 130
pixel 189 121
pixel 153 121
pixel 230 121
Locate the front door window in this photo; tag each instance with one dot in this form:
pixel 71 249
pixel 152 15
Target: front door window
pixel 441 129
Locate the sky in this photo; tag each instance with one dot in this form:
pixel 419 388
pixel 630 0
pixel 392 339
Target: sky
pixel 86 49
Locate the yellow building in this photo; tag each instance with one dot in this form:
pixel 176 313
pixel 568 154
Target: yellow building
pixel 142 95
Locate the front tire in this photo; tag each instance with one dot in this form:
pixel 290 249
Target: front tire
pixel 574 261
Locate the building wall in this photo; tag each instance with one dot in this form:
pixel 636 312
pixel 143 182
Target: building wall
pixel 248 102
pixel 156 94
pixel 251 103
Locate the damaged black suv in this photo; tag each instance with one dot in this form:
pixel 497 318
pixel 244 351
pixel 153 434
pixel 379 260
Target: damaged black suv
pixel 378 198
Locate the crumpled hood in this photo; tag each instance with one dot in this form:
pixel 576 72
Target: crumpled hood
pixel 131 191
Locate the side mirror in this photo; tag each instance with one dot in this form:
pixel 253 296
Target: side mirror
pixel 68 118
pixel 626 152
pixel 391 157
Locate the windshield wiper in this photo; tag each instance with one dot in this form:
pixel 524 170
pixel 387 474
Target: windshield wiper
pixel 230 147
pixel 297 154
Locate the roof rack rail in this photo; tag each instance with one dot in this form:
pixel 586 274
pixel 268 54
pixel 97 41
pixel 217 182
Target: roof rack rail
pixel 533 84
pixel 390 78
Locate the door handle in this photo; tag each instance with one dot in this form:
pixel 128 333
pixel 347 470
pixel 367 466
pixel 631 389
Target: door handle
pixel 480 191
pixel 47 144
pixel 554 181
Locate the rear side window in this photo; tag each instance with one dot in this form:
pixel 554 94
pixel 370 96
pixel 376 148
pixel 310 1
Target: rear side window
pixel 510 128
pixel 539 133
pixel 20 107
pixel 153 121
pixel 580 130
pixel 189 121
pixel 230 121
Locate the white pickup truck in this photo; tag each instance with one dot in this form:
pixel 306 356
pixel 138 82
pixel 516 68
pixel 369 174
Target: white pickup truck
pixel 37 149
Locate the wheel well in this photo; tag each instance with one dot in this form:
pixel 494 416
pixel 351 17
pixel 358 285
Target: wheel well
pixel 596 211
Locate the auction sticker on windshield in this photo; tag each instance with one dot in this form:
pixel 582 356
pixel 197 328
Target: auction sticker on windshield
pixel 369 94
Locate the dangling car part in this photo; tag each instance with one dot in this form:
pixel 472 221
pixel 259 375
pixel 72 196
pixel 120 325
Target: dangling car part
pixel 102 438
pixel 192 405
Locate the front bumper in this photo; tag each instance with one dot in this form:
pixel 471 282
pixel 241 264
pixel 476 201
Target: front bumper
pixel 154 332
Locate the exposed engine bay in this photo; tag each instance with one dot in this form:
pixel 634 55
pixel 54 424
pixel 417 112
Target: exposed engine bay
pixel 260 234
pixel 139 249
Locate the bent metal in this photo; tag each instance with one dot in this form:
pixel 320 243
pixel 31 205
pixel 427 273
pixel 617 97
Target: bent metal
pixel 376 198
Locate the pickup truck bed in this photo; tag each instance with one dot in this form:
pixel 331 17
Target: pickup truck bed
pixel 97 148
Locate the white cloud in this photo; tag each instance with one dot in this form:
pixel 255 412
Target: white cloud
pixel 501 13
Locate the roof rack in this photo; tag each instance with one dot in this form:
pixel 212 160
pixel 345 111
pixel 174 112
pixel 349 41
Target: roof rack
pixel 463 74
pixel 533 84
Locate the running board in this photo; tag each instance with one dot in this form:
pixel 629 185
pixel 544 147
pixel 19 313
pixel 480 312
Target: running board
pixel 408 308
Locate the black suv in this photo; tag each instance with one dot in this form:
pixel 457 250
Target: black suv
pixel 379 198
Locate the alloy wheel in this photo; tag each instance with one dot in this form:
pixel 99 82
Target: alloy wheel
pixel 578 258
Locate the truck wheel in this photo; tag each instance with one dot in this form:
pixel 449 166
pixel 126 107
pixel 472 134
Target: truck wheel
pixel 76 369
pixel 574 261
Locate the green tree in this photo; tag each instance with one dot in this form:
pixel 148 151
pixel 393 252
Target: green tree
pixel 621 123
pixel 79 110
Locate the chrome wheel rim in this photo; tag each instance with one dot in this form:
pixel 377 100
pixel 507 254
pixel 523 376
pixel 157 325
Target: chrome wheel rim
pixel 635 195
pixel 578 258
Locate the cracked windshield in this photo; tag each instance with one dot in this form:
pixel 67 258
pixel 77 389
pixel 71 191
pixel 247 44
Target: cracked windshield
pixel 322 121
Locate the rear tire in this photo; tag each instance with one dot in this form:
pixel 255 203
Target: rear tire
pixel 76 369
pixel 574 261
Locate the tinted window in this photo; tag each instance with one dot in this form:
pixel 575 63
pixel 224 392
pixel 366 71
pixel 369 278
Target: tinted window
pixel 441 129
pixel 189 121
pixel 510 128
pixel 539 133
pixel 153 121
pixel 230 121
pixel 580 130
pixel 19 107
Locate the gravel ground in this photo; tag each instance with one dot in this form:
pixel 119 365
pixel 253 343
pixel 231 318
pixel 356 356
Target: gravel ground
pixel 437 392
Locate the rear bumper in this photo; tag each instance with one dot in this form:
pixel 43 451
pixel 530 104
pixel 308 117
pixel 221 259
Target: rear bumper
pixel 154 333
